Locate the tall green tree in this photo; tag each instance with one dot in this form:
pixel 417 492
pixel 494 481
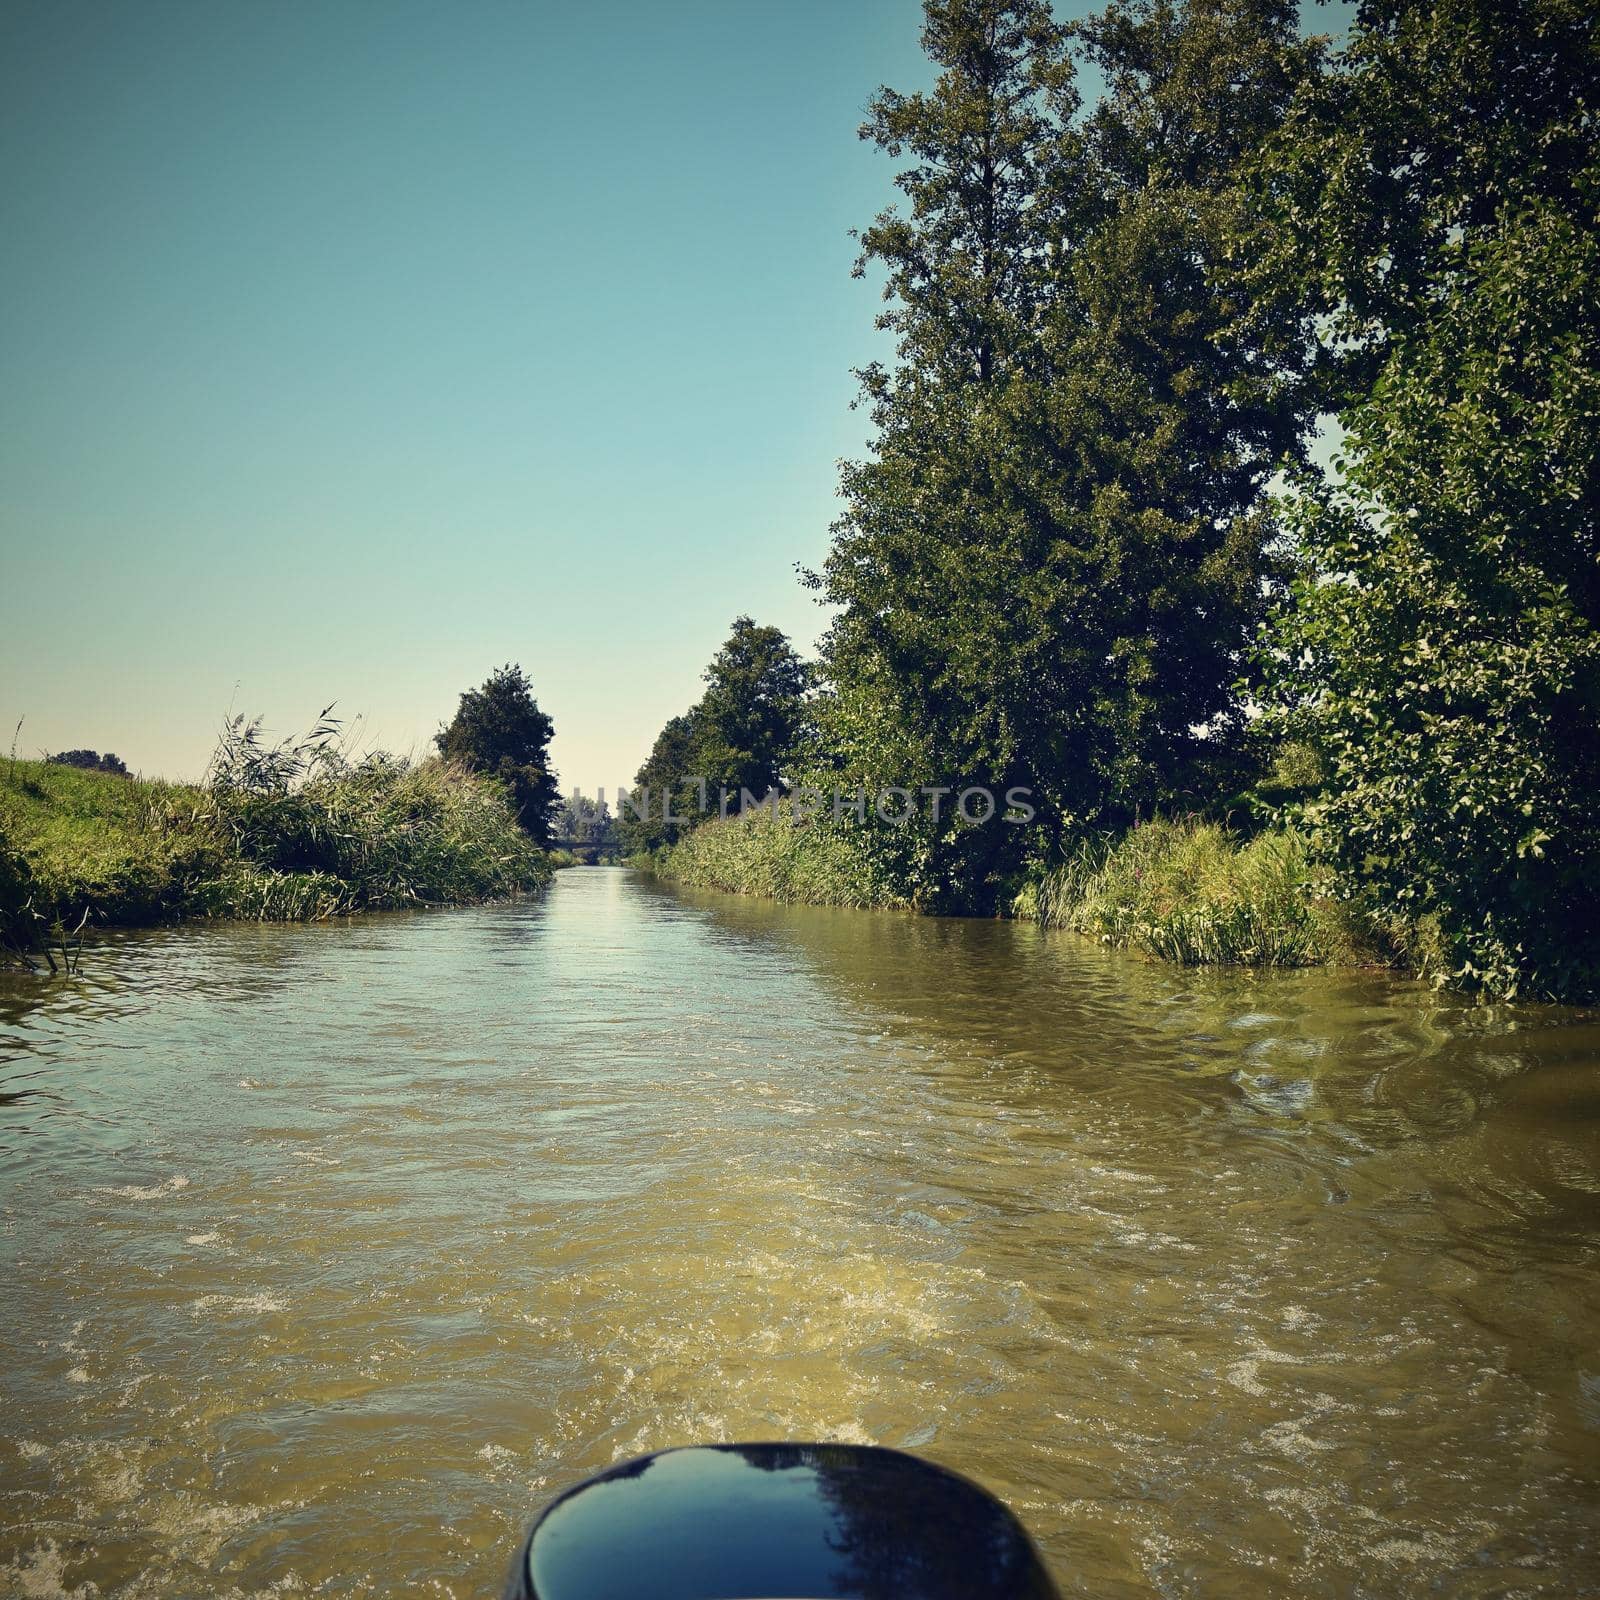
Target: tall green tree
pixel 1051 564
pixel 665 800
pixel 752 716
pixel 744 735
pixel 1436 197
pixel 499 729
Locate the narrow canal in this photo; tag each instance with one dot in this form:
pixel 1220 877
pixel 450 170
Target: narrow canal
pixel 330 1252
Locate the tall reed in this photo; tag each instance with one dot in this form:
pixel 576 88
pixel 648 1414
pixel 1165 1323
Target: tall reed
pixel 1193 892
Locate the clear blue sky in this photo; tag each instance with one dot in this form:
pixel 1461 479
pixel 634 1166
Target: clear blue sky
pixel 354 347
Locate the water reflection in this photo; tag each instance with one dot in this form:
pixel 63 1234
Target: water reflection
pixel 810 1521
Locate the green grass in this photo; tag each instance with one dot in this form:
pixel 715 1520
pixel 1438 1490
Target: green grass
pixel 378 835
pixel 1184 891
pixel 124 850
pixel 1195 893
pixel 774 857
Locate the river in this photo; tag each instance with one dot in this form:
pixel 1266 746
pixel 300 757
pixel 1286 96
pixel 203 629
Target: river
pixel 331 1251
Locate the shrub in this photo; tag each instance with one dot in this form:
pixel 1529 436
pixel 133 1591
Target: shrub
pixel 387 833
pixel 781 859
pixel 1193 892
pixel 377 834
pixel 120 849
pixel 17 929
pixel 91 761
pixel 1434 199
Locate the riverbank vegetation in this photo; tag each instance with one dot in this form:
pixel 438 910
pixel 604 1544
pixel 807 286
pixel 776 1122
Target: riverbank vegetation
pixel 1194 892
pixel 1095 550
pixel 739 739
pixel 776 857
pixel 293 831
pixel 499 730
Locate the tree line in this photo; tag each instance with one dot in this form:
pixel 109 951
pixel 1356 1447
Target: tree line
pixel 1093 549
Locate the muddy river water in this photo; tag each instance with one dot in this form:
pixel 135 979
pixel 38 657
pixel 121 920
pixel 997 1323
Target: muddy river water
pixel 330 1252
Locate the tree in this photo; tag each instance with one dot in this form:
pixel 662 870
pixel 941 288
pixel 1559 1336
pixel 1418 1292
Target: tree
pixel 579 818
pixel 585 822
pixel 752 716
pixel 91 761
pixel 743 735
pixel 1436 201
pixel 1050 567
pixel 665 800
pixel 500 730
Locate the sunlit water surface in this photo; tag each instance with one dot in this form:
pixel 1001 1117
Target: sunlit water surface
pixel 330 1252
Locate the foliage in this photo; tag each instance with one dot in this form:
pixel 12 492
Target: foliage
pixel 743 735
pixel 587 822
pixel 91 761
pixel 663 804
pixel 124 850
pixel 244 763
pixel 1441 654
pixel 1195 893
pixel 78 844
pixel 378 835
pixel 1049 568
pixel 499 729
pixel 752 716
pixel 780 859
pixel 18 926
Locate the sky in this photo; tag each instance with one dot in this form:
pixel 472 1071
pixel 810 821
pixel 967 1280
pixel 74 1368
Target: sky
pixel 353 348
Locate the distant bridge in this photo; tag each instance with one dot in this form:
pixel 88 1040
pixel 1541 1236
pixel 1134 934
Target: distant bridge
pixel 584 849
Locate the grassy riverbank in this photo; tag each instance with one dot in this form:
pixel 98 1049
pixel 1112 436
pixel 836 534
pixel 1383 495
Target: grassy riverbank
pixel 1195 893
pixel 778 859
pixel 1185 891
pixel 377 835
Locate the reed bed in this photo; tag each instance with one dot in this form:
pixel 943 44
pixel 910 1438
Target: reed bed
pixel 1193 892
pixel 332 838
pixel 808 861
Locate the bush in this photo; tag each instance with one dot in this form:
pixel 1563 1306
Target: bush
pixel 122 850
pixel 374 836
pixel 810 861
pixel 17 930
pixel 1434 199
pixel 1192 892
pixel 91 761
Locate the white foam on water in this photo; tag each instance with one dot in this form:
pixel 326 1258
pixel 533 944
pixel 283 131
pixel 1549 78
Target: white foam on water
pixel 1291 1438
pixel 40 1574
pixel 131 1387
pixel 236 1302
pixel 122 1484
pixel 1428 1548
pixel 203 1238
pixel 154 1191
pixel 1246 1374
